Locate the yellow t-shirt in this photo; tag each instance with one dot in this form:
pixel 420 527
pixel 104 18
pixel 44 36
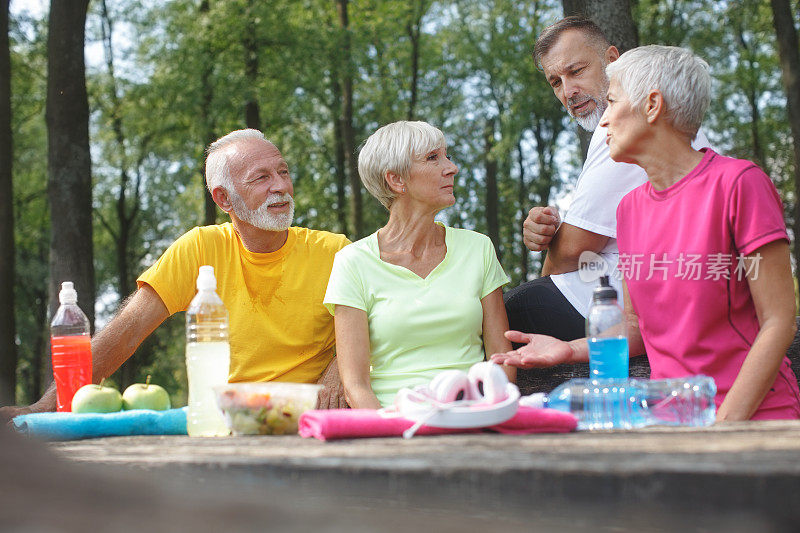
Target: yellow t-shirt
pixel 279 329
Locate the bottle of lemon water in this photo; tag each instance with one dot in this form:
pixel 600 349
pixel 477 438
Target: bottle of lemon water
pixel 208 357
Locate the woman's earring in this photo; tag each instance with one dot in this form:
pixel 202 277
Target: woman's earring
pixel 404 189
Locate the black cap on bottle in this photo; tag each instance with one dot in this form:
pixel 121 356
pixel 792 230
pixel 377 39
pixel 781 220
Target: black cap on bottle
pixel 605 291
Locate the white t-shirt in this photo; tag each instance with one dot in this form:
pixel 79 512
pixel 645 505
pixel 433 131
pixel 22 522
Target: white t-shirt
pixel 600 187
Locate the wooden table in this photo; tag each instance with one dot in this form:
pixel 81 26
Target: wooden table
pixel 731 477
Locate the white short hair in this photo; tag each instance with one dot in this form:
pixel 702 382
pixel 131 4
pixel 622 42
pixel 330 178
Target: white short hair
pixel 218 172
pixel 679 75
pixel 393 148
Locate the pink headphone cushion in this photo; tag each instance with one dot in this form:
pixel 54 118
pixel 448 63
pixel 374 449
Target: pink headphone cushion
pixel 489 382
pixel 450 386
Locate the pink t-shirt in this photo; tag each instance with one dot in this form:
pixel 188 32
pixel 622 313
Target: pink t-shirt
pixel 680 251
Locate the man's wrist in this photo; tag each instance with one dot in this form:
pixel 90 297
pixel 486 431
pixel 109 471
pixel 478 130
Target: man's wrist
pixel 48 401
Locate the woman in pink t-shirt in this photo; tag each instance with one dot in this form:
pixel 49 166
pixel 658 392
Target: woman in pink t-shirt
pixel 703 247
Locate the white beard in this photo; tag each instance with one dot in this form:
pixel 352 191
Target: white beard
pixel 260 217
pixel 590 121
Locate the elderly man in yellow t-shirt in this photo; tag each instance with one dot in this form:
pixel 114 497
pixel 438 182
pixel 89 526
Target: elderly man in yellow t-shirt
pixel 271 277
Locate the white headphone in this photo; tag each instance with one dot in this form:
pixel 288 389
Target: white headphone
pixel 486 383
pixel 450 386
pixel 489 382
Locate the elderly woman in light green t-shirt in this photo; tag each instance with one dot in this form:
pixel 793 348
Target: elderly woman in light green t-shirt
pixel 416 297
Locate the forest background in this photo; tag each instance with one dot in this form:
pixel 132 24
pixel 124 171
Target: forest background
pixel 106 107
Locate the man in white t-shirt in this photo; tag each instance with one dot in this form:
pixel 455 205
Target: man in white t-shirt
pixel 573 54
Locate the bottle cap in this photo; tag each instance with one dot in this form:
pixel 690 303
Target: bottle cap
pixel 605 291
pixel 537 400
pixel 205 279
pixel 68 295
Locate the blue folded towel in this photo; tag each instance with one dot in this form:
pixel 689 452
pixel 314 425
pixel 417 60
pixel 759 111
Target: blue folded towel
pixel 72 426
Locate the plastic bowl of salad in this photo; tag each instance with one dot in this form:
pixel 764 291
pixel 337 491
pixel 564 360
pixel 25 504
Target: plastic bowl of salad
pixel 271 408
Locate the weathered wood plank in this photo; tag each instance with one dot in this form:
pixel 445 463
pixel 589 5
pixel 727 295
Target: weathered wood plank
pixel 745 475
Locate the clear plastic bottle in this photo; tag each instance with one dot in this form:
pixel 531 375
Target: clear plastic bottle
pixel 208 357
pixel 70 347
pixel 605 333
pixel 633 403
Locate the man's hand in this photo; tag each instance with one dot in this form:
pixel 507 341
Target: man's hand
pixel 46 403
pixel 539 351
pixel 9 412
pixel 539 228
pixel 332 396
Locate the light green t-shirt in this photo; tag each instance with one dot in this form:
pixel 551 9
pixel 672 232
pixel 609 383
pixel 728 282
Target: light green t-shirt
pixel 418 327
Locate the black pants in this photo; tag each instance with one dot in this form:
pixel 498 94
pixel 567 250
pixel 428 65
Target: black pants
pixel 539 307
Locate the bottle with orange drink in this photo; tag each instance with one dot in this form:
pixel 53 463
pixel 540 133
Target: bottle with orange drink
pixel 70 347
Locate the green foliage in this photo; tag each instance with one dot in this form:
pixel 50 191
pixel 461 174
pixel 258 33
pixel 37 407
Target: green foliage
pixel 489 45
pixel 747 117
pixel 185 70
pixel 29 65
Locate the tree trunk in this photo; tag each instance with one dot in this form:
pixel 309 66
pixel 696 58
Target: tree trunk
pixel 348 135
pixel 125 219
pixel 545 153
pixel 414 30
pixel 252 112
pixel 751 93
pixel 523 202
pixel 492 220
pixel 127 210
pixel 613 16
pixel 615 19
pixel 209 207
pixel 8 346
pixel 783 20
pixel 69 186
pixel 341 160
pixel 40 373
pixel 386 99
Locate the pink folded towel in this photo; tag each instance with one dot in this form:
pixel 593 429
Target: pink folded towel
pixel 329 424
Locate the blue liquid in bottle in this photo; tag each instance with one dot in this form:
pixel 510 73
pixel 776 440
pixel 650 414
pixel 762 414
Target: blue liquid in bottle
pixel 608 358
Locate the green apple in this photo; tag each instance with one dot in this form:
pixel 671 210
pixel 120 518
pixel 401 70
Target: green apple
pixel 96 399
pixel 145 396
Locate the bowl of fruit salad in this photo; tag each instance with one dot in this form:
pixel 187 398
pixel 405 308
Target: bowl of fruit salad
pixel 271 408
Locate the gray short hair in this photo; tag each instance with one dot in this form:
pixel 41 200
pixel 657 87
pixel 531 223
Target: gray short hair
pixel 218 172
pixel 551 34
pixel 681 77
pixel 392 148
